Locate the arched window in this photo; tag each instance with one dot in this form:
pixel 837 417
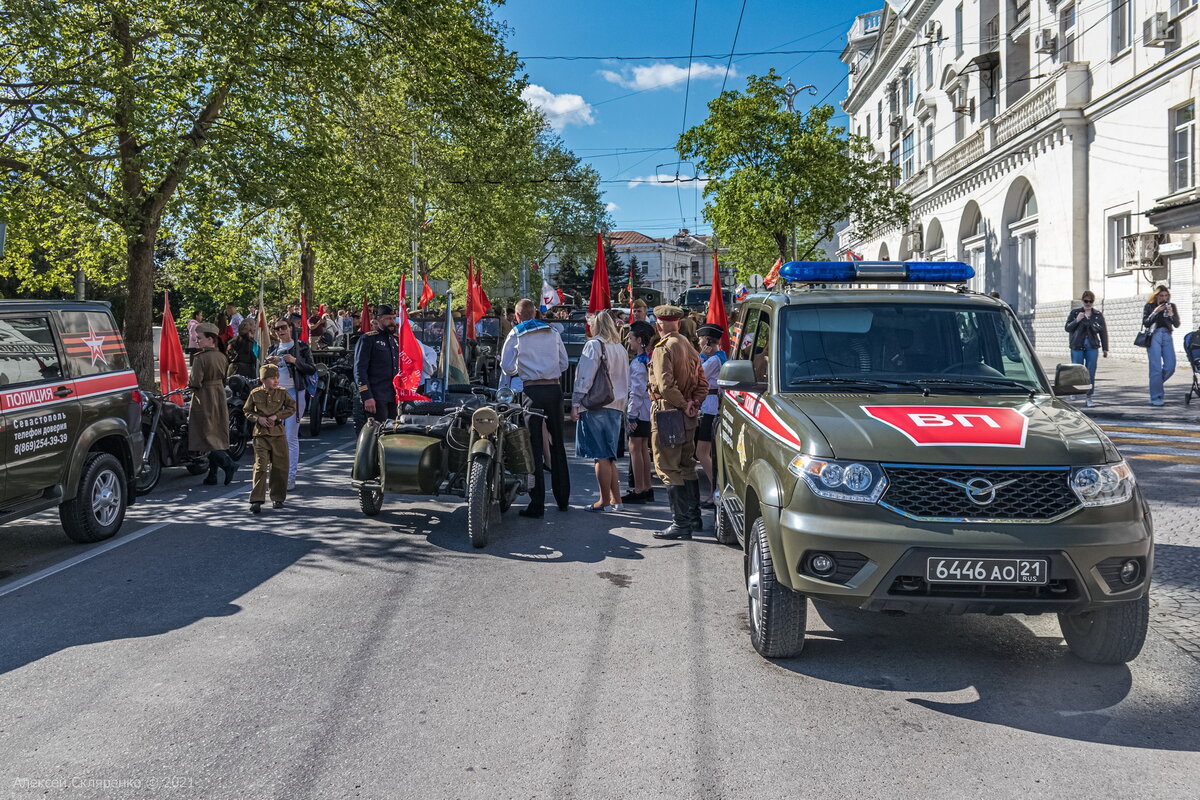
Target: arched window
pixel 1028 206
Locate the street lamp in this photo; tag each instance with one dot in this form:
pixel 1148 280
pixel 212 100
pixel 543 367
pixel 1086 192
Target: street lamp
pixel 790 90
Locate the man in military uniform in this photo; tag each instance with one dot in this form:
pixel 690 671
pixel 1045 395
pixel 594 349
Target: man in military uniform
pixel 376 362
pixel 266 408
pixel 677 384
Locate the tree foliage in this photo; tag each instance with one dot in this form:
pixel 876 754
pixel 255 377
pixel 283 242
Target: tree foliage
pixel 775 174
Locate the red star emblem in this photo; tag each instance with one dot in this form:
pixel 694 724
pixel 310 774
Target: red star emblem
pixel 95 346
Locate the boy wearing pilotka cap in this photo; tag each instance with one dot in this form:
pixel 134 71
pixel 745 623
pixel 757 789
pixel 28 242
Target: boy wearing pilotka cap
pixel 266 408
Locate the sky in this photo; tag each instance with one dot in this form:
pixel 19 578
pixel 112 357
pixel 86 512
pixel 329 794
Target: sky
pixel 624 116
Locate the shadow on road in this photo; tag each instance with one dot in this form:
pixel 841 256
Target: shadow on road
pixel 189 574
pixel 1023 681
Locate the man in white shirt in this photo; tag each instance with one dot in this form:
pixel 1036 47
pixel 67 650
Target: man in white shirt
pixel 534 352
pixel 235 319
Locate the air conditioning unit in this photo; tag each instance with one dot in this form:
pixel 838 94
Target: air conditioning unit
pixel 854 69
pixel 1141 250
pixel 1156 30
pixel 915 241
pixel 1045 42
pixel 967 108
pixel 895 122
pixel 933 30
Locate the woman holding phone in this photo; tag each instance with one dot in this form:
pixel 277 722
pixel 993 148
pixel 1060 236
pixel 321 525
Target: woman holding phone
pixel 1160 317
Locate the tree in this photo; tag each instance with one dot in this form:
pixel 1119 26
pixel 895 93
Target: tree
pixel 775 174
pixel 117 105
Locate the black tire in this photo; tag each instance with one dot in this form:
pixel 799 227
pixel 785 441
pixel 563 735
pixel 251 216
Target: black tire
pixel 479 500
pixel 197 467
pixel 98 509
pixel 778 616
pixel 341 419
pixel 238 438
pixel 1109 635
pixel 370 501
pixel 151 472
pixel 314 417
pixel 722 528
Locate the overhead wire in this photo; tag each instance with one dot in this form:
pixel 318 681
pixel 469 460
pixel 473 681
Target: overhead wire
pixel 687 90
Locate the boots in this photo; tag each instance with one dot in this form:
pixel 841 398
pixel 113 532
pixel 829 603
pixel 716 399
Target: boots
pixel 681 527
pixel 693 500
pixel 211 479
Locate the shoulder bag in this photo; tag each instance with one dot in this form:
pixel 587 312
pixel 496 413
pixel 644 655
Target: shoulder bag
pixel 600 393
pixel 1143 337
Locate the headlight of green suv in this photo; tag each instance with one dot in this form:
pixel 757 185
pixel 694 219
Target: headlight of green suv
pixel 1103 485
pixel 852 481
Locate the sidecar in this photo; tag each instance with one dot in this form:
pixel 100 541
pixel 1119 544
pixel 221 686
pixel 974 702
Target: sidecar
pixel 422 452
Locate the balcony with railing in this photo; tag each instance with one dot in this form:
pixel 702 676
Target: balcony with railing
pixel 866 25
pixel 966 152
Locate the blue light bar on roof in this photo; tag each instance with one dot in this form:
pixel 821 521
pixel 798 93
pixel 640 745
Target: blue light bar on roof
pixel 876 272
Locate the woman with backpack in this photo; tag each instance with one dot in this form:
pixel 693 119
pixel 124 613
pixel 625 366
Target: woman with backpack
pixel 296 356
pixel 1088 337
pixel 598 405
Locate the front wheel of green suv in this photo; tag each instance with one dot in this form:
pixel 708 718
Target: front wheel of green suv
pixel 778 616
pixel 1109 635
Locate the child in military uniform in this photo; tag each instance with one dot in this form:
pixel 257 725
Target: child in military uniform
pixel 266 408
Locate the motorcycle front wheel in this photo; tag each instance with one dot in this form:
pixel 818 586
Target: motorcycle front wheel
pixel 145 481
pixel 479 500
pixel 314 414
pixel 238 438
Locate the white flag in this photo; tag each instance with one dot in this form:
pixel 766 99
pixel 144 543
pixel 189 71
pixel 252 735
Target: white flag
pixel 549 296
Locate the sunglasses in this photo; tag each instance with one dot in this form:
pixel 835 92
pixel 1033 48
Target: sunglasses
pixel 283 327
pixel 1088 302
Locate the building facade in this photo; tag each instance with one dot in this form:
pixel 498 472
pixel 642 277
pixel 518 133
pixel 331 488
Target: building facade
pixel 1049 143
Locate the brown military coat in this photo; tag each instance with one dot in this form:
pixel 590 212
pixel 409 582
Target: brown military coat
pixel 208 417
pixel 675 374
pixel 264 402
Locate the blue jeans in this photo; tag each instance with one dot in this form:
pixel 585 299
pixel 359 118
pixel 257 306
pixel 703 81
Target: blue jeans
pixel 1162 362
pixel 1088 359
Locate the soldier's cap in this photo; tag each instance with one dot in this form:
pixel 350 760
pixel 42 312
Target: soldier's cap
pixel 668 313
pixel 268 371
pixel 384 310
pixel 710 329
pixel 208 329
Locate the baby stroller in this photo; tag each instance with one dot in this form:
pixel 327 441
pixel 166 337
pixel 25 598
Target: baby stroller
pixel 1191 350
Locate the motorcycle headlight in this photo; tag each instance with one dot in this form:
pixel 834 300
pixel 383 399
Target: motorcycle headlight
pixel 1103 485
pixel 485 420
pixel 851 481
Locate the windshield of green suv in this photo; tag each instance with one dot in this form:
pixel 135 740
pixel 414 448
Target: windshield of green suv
pixel 921 347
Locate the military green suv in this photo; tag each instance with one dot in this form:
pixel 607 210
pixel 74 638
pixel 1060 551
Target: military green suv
pixel 70 416
pixel 888 441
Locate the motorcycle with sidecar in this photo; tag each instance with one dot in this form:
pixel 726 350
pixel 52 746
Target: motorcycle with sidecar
pixel 474 445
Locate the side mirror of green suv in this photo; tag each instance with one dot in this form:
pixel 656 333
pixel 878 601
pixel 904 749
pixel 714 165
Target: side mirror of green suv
pixel 738 375
pixel 1071 379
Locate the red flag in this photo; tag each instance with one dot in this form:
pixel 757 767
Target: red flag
pixel 773 276
pixel 364 322
pixel 600 297
pixel 303 318
pixel 716 306
pixel 482 302
pixel 172 366
pixel 427 294
pixel 411 359
pixel 469 312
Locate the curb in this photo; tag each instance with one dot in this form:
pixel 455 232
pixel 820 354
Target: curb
pixel 1167 415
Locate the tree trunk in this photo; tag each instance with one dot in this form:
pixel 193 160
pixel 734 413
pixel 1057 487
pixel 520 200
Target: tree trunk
pixel 781 241
pixel 139 322
pixel 308 262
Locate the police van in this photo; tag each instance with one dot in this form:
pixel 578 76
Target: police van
pixel 70 416
pixel 888 441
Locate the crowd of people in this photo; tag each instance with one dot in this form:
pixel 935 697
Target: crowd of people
pixel 648 383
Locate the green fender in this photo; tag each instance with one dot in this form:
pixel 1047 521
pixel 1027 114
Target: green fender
pixel 763 479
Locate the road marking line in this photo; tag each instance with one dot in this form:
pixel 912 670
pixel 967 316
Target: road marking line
pixel 112 544
pixel 1191 434
pixel 1157 443
pixel 1175 458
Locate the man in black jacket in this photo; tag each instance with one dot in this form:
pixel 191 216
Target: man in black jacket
pixel 1088 337
pixel 376 362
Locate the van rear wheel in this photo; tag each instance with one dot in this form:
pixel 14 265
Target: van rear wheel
pixel 778 616
pixel 98 509
pixel 1113 634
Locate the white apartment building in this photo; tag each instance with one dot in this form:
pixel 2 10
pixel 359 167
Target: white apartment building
pixel 1049 143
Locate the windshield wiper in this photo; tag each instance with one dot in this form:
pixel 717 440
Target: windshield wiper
pixel 869 385
pixel 974 383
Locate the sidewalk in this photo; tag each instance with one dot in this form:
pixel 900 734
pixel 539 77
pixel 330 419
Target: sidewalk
pixel 1122 392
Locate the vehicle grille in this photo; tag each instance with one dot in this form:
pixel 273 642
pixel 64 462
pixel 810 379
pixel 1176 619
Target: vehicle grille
pixel 1039 495
pixel 916 586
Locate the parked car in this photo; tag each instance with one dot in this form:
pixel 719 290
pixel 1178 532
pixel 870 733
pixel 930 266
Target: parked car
pixel 70 416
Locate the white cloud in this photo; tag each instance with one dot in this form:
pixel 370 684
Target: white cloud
pixel 659 76
pixel 663 179
pixel 560 110
pixel 610 207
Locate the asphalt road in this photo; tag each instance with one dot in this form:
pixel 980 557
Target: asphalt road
pixel 314 653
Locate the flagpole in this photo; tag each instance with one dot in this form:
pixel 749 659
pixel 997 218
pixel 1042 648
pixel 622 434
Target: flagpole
pixel 447 334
